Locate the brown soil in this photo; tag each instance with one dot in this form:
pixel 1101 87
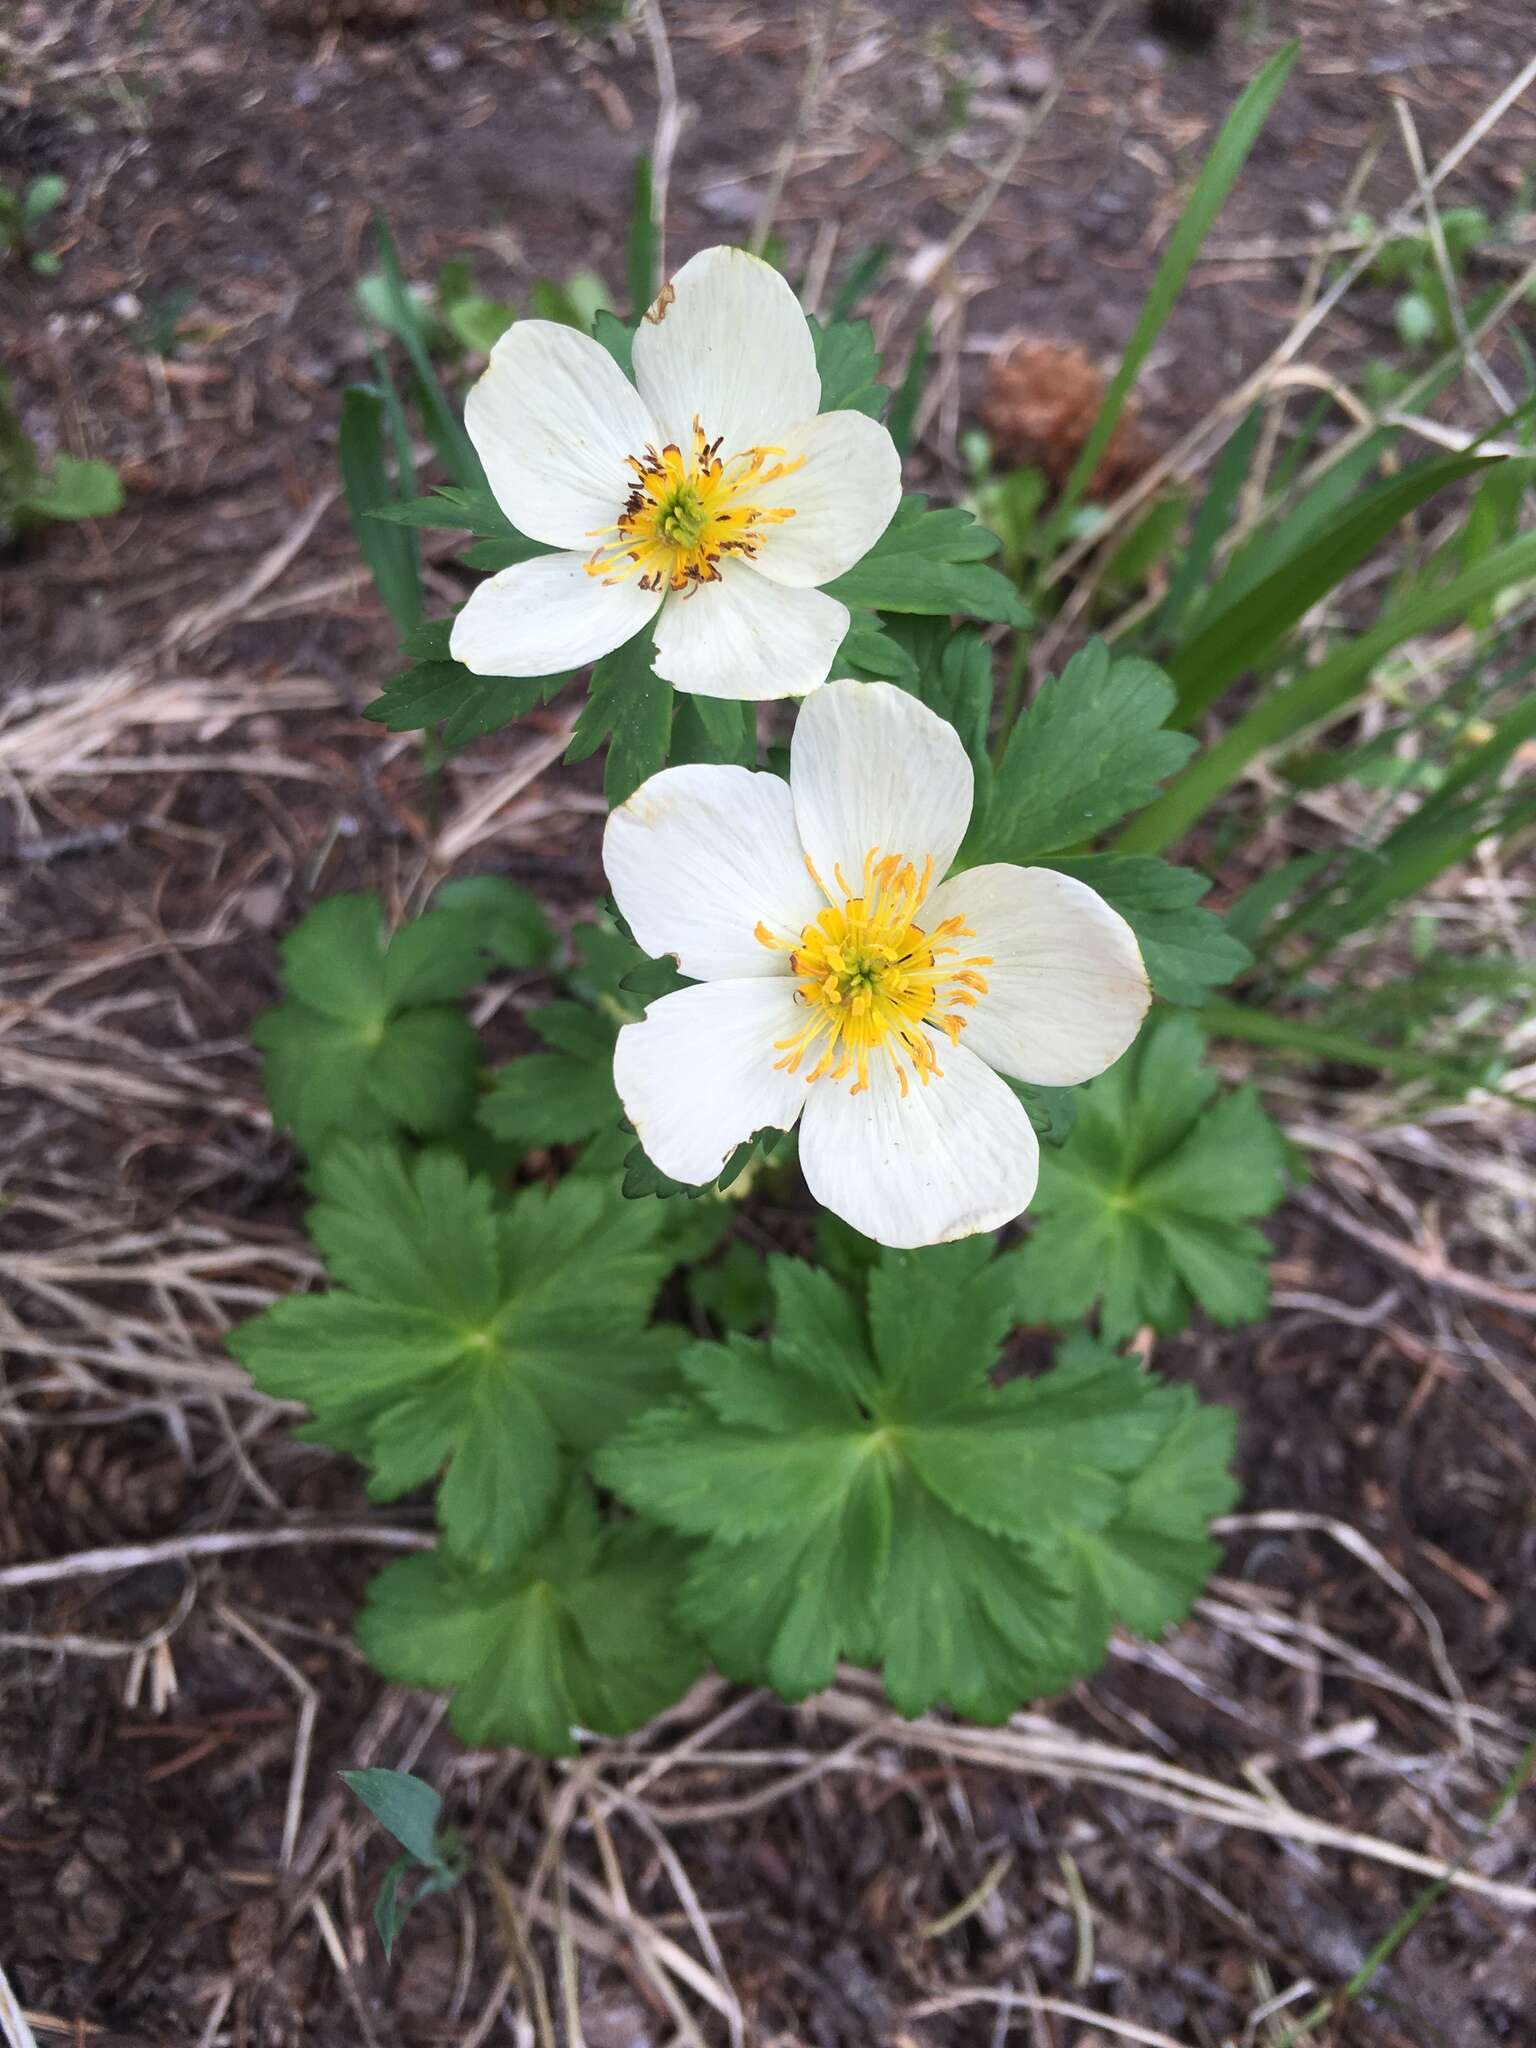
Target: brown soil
pixel 186 768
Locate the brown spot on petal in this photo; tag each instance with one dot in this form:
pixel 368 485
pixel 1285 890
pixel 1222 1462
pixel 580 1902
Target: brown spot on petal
pixel 664 298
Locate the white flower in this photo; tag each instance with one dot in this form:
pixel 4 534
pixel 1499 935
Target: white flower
pixel 713 494
pixel 839 985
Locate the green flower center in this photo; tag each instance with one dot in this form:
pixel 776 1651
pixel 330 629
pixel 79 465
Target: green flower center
pixel 681 518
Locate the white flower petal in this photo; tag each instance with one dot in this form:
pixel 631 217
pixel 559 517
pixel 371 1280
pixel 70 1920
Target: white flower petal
pixel 726 342
pixel 746 637
pixel 872 767
pixel 698 857
pixel 843 496
pixel 553 419
pixel 540 617
pixel 1066 988
pixel 943 1161
pixel 697 1075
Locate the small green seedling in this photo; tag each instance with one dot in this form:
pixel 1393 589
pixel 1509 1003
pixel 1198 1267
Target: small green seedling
pixel 22 214
pixel 71 490
pixel 411 1812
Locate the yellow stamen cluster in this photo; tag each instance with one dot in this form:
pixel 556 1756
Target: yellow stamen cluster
pixel 872 980
pixel 684 513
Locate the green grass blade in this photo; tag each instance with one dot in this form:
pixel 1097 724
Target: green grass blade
pixel 1216 179
pixel 904 405
pixel 642 241
pixel 444 427
pixel 1401 1928
pixel 1212 521
pixel 861 276
pixel 1315 1043
pixel 1277 540
pixel 1242 635
pixel 1318 693
pixel 391 552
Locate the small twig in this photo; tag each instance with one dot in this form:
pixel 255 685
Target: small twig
pixel 12 2019
pixel 669 124
pixel 1443 264
pixel 195 627
pixel 1231 408
pixel 1031 2001
pixel 1002 171
pixel 823 29
pixel 331 1936
pixel 1429 1266
pixel 309 1708
pixel 128 1557
pixel 519 1954
pixel 105 1646
pixel 1350 1539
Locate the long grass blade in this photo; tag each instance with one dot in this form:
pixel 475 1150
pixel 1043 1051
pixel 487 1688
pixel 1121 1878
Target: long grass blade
pixel 1242 635
pixel 641 244
pixel 444 427
pixel 1317 694
pixel 1212 521
pixel 904 405
pixel 1227 157
pixel 391 552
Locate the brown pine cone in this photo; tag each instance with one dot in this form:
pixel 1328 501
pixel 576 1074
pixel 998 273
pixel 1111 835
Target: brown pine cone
pixel 1041 402
pixel 93 1495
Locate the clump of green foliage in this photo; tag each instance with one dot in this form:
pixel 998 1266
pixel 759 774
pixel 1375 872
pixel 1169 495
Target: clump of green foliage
pixel 650 1448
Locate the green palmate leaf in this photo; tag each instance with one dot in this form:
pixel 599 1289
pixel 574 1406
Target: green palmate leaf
pixel 869 650
pixel 1188 950
pixel 1148 1563
pixel 734 1289
pixel 1089 749
pixel 713 729
pixel 439 691
pixel 631 707
pixel 563 1096
pixel 932 561
pixel 574 1632
pixel 857 1487
pixel 507 921
pixel 1142 1212
pixel 642 1176
pixel 364 1043
pixel 1052 1111
pixel 849 367
pixel 476 1335
pixel 952 674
